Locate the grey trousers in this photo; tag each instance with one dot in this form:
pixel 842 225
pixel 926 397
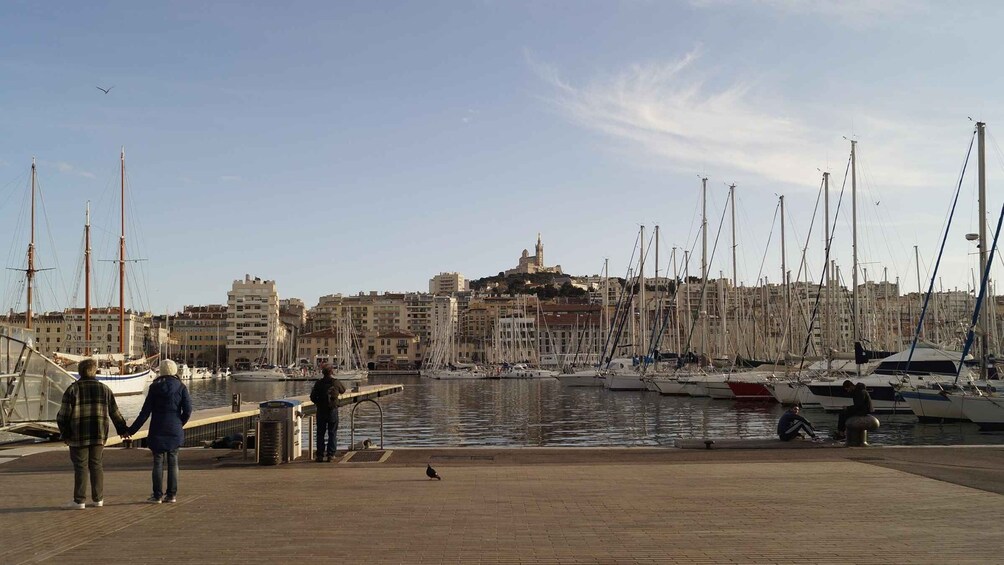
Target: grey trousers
pixel 87 460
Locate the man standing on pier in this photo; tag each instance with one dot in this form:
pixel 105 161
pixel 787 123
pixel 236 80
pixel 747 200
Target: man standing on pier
pixel 83 424
pixel 324 395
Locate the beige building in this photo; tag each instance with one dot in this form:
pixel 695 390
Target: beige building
pixel 105 332
pixel 48 330
pixel 448 283
pixel 318 347
pixel 198 336
pixel 255 335
pixel 393 350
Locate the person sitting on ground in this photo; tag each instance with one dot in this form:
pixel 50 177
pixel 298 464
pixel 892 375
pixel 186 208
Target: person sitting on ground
pixel 792 424
pixel 861 406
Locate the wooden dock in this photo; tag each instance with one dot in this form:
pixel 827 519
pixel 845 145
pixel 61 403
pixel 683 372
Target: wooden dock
pixel 207 425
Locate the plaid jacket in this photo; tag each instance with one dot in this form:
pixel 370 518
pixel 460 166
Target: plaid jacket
pixel 83 415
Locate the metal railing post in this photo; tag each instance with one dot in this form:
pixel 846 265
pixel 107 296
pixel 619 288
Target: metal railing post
pixel 352 422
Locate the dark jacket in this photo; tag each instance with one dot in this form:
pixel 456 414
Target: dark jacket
pixel 170 407
pixel 862 401
pixel 320 395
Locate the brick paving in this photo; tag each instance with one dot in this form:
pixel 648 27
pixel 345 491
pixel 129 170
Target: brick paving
pixel 520 506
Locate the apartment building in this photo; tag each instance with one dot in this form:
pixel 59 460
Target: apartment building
pixel 448 283
pixel 255 334
pixel 198 336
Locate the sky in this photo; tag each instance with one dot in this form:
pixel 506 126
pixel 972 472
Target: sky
pixel 340 147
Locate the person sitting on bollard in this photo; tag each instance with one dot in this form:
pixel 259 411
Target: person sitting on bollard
pixel 792 424
pixel 862 406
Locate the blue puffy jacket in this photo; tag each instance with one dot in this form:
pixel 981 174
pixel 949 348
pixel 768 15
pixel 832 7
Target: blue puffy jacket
pixel 170 407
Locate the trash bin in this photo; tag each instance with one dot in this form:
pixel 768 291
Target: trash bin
pixel 270 443
pixel 290 415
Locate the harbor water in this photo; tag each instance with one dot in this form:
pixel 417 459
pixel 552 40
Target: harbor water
pixel 542 413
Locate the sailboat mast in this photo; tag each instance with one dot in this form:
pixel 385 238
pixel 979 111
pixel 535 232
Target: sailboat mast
pixel 30 271
pixel 854 247
pixel 920 290
pixel 981 134
pixel 735 272
pixel 87 279
pixel 786 343
pixel 642 318
pixel 122 261
pixel 704 263
pixel 825 334
pixel 658 295
pixel 676 303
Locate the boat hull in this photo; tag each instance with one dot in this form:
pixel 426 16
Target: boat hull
pixel 258 376
pixel 623 382
pixel 987 412
pixel 930 405
pixel 581 379
pixel 125 385
pixel 747 390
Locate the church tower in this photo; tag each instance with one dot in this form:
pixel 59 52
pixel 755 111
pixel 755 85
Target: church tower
pixel 540 251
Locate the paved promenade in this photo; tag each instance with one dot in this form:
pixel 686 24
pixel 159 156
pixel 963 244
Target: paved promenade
pixel 829 505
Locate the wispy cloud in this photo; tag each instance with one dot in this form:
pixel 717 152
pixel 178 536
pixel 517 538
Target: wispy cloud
pixel 230 178
pixel 851 12
pixel 66 168
pixel 469 115
pixel 668 113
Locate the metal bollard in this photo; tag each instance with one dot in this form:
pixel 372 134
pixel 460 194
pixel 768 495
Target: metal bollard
pixel 235 403
pixel 858 428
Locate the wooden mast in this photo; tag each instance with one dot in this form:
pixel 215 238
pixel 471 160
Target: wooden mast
pixel 30 271
pixel 87 280
pixel 122 261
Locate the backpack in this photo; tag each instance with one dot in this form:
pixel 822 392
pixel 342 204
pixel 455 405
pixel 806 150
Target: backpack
pixel 336 389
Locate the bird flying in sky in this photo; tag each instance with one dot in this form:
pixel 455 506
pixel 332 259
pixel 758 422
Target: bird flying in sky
pixel 105 90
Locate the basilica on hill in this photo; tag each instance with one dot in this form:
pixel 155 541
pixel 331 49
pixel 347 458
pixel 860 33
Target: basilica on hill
pixel 530 264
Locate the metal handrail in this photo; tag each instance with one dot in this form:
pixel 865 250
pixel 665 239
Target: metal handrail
pixel 352 422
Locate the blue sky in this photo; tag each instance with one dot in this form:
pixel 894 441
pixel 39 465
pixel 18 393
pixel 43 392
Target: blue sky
pixel 354 146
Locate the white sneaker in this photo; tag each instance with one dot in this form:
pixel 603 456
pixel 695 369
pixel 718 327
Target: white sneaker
pixel 170 500
pixel 74 505
pixel 98 503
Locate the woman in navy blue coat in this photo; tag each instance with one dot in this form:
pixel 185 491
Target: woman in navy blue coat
pixel 169 406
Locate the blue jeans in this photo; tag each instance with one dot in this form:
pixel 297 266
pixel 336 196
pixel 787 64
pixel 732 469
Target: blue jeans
pixel 172 473
pixel 327 423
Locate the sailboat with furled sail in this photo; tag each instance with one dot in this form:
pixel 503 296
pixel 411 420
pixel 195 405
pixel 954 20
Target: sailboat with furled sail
pixel 122 374
pixel 31 385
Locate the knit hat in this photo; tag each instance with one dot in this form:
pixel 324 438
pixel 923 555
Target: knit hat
pixel 168 368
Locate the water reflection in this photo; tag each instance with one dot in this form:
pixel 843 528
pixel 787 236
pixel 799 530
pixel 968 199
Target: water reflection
pixel 532 413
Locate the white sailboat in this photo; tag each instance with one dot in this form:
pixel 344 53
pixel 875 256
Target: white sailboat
pixel 348 368
pixel 123 375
